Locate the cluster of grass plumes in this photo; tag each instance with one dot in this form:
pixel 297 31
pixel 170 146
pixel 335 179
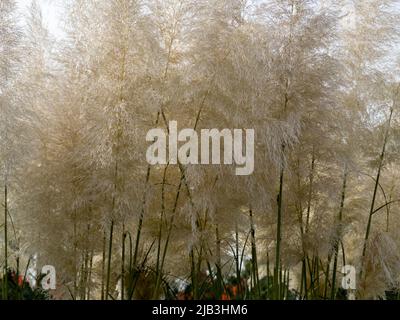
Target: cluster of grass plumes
pixel 315 79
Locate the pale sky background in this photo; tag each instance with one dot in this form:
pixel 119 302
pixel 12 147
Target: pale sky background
pixel 50 11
